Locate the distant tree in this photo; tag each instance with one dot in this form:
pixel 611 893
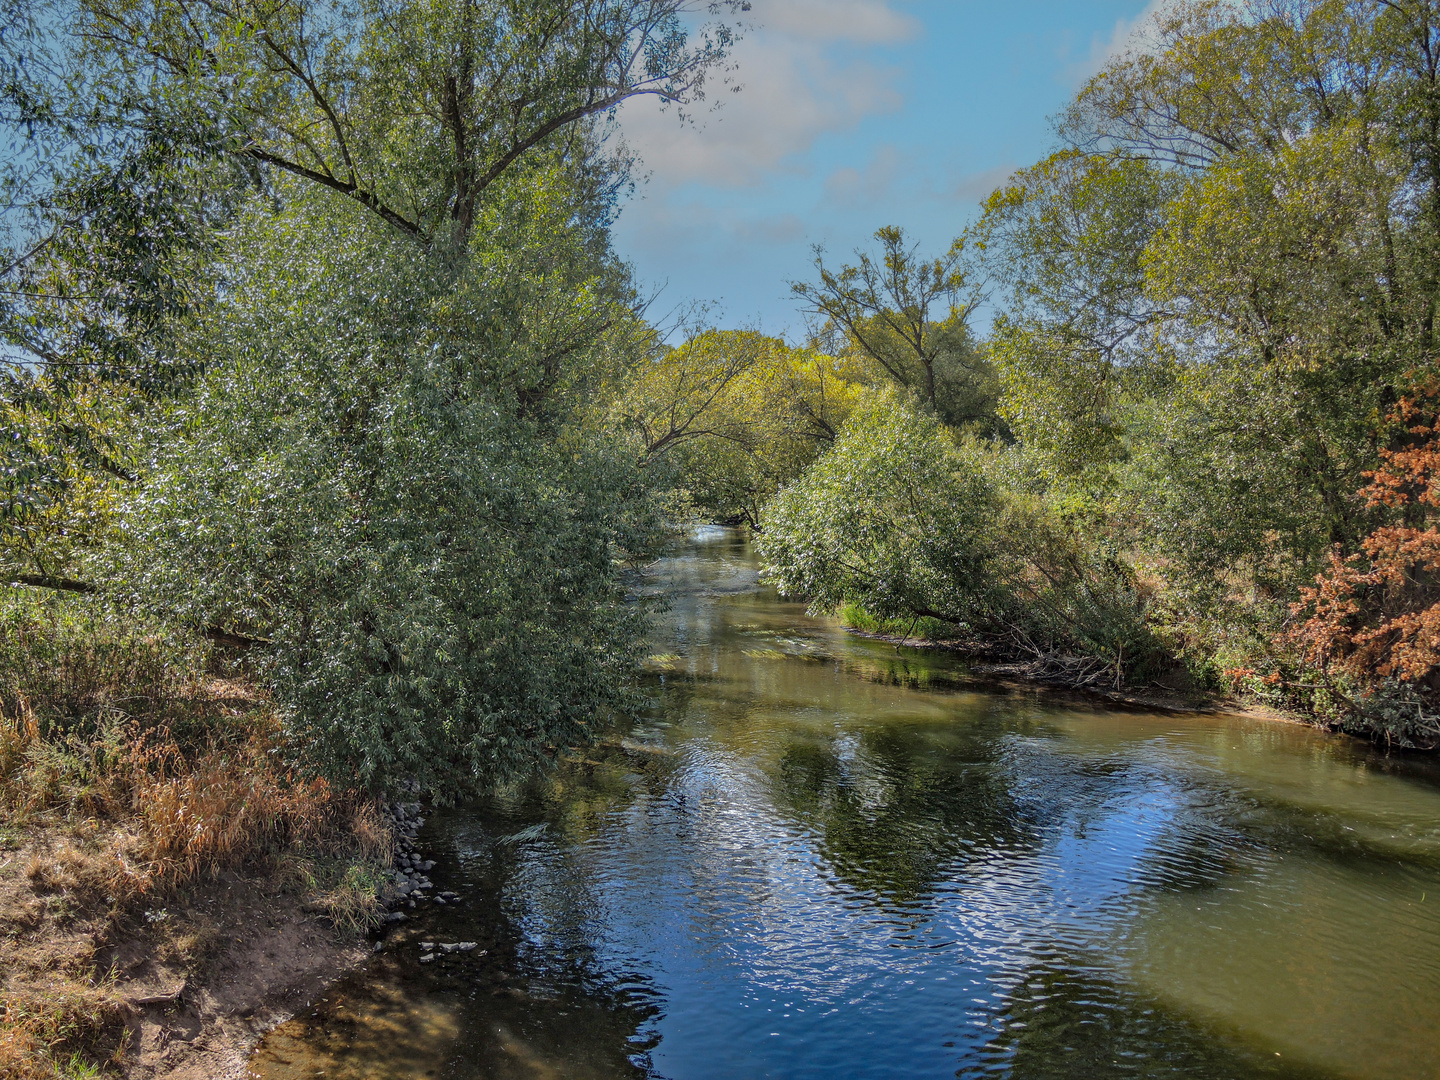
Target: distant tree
pixel 909 316
pixel 731 416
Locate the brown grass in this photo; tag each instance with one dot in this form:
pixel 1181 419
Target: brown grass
pixel 128 772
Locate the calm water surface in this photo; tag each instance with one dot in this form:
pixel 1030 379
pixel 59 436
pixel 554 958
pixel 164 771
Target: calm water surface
pixel 825 857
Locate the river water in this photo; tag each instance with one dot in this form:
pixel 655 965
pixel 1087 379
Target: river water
pixel 825 857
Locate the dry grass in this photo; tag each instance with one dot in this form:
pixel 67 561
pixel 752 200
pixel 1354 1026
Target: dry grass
pixel 63 1030
pixel 127 772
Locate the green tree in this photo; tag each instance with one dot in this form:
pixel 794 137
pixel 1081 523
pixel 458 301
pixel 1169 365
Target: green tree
pixel 728 417
pixel 885 309
pixel 376 469
pixel 426 573
pixel 1075 342
pixel 900 520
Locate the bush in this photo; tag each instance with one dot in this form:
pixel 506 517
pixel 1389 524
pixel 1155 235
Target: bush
pixel 428 571
pixel 902 521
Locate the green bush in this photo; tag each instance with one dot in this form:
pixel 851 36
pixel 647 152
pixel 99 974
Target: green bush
pixel 901 521
pixel 428 570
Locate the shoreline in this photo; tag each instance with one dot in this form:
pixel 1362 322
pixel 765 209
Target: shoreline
pixel 267 974
pixel 1152 698
pixel 181 984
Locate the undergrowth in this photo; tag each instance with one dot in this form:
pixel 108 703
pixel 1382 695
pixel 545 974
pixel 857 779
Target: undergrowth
pixel 921 629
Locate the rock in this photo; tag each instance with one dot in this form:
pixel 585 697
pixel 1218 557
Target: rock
pixel 427 946
pixel 450 947
pixel 440 900
pixel 396 916
pixel 427 958
pixel 379 945
pixel 428 865
pixel 468 946
pixel 448 895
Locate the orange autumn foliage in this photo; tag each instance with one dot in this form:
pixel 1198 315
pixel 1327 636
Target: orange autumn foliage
pixel 1376 614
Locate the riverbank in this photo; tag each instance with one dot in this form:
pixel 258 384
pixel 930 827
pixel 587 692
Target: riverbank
pixel 177 986
pixel 1053 681
pixel 168 890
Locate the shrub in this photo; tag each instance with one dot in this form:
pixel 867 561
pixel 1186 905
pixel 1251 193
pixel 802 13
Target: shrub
pixel 902 521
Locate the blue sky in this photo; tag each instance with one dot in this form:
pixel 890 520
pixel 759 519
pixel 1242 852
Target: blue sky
pixel 852 114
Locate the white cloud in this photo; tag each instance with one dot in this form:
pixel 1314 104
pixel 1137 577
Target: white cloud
pixel 1127 35
pixel 977 186
pixel 801 76
pixel 864 22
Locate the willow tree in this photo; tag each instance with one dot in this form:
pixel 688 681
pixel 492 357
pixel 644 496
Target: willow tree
pixel 369 466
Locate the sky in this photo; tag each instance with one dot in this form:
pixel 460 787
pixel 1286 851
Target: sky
pixel 852 114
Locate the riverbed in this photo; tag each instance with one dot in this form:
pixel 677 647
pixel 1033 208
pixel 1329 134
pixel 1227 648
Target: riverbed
pixel 821 856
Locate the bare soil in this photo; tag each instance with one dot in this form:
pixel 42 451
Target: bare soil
pixel 181 986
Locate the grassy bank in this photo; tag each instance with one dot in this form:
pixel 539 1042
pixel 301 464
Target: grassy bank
pixel 145 789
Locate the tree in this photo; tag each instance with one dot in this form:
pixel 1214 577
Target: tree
pixel 903 522
pixel 1220 286
pixel 885 305
pixel 375 469
pixel 136 130
pixel 412 108
pixel 428 576
pixel 1373 617
pixel 1066 238
pixel 728 417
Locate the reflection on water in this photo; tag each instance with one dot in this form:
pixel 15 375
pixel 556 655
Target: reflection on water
pixel 825 857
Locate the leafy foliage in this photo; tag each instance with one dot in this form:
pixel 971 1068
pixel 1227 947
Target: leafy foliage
pixel 731 416
pixel 1373 615
pixel 314 299
pixel 428 574
pixel 881 308
pixel 903 522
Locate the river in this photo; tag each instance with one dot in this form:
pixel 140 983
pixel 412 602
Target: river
pixel 821 856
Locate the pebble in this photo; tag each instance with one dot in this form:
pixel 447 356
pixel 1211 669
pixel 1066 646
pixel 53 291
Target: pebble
pixel 396 916
pixel 427 958
pixel 427 946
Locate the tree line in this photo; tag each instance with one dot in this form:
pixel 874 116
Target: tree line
pixel 316 347
pixel 1194 445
